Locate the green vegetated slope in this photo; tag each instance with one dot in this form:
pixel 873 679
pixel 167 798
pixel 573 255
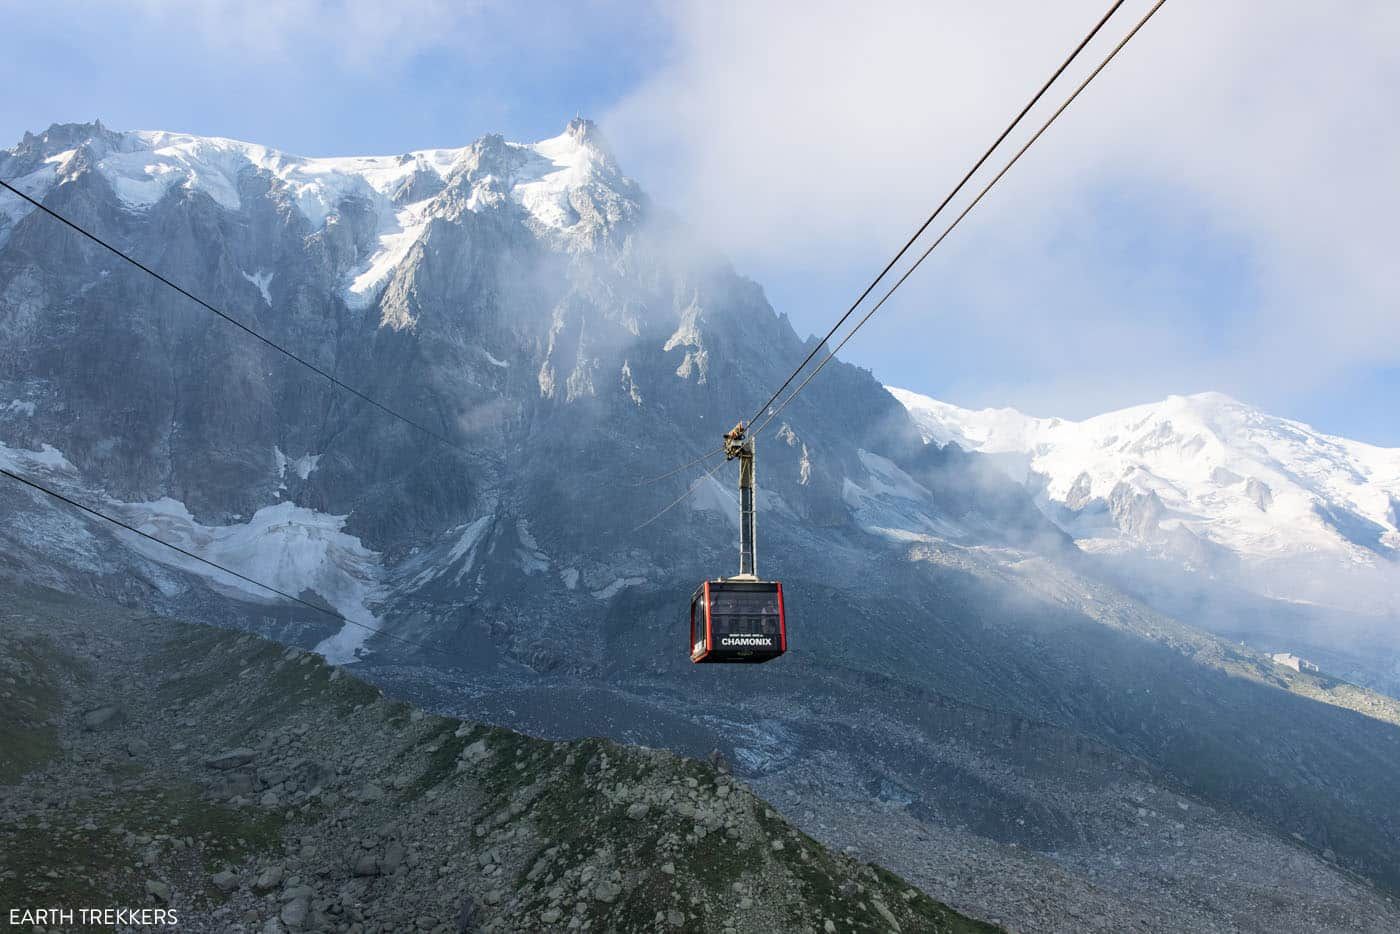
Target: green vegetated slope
pixel 243 783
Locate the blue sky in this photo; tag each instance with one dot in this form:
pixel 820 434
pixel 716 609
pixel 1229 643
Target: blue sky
pixel 1184 228
pixel 209 70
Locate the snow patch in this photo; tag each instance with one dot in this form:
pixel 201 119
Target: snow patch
pixel 306 465
pixel 144 165
pixel 464 551
pixel 532 559
pixel 48 459
pixel 294 549
pixel 18 407
pixel 398 232
pixel 887 502
pixel 617 586
pixel 262 280
pixel 570 577
pixel 36 184
pixel 291 548
pixel 303 466
pixel 557 167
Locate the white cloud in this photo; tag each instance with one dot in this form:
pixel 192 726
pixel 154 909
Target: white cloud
pixel 356 32
pixel 795 134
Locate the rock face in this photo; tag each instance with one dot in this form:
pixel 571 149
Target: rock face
pixel 955 666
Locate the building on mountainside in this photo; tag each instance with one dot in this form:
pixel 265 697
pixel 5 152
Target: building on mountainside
pixel 1289 660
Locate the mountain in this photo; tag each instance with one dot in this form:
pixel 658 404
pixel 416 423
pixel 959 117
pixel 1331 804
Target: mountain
pixel 969 700
pixel 1267 505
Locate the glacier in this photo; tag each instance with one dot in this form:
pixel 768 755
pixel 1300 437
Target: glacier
pixel 1257 484
pixel 1277 532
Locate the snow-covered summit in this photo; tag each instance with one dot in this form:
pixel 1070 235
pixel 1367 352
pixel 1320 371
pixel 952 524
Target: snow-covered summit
pixel 567 188
pixel 1228 474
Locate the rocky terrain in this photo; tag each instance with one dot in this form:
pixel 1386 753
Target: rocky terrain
pixel 251 787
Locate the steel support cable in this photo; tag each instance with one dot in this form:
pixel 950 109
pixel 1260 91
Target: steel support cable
pixel 213 564
pixel 967 210
pixel 230 319
pixel 679 499
pixel 687 465
pixel 939 210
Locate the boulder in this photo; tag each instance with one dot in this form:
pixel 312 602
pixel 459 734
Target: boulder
pixel 295 912
pixel 103 718
pixel 269 879
pixel 231 759
pixel 883 910
pixel 234 784
pixel 393 858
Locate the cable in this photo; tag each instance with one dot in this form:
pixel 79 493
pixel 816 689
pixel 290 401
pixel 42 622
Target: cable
pixel 189 554
pixel 670 473
pixel 941 237
pixel 677 501
pixel 229 318
pixel 952 194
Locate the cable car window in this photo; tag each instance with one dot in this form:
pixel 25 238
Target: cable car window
pixel 744 613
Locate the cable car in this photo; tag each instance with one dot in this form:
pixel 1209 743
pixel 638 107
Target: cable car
pixel 740 618
pixel 737 621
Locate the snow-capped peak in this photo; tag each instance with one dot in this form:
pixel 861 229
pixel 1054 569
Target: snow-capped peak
pixel 565 187
pixel 1258 486
pixel 585 133
pixel 564 164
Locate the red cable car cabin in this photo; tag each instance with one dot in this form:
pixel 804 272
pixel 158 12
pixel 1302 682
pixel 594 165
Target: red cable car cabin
pixel 737 621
